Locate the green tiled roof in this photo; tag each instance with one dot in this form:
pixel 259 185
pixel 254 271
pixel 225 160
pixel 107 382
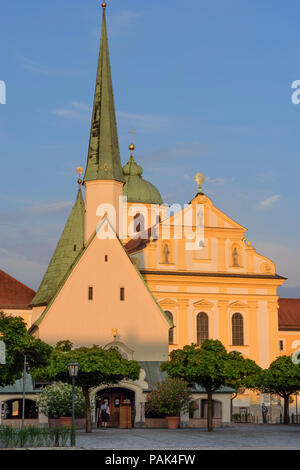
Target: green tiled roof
pixel 104 155
pixel 70 244
pixel 154 375
pixel 136 189
pixel 17 387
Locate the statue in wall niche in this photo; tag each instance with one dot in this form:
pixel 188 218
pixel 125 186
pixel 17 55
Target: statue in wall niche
pixel 166 254
pixel 235 257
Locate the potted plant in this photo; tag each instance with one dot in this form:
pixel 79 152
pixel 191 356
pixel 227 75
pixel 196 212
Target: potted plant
pixel 169 398
pixel 55 401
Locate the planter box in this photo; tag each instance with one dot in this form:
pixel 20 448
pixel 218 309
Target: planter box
pixel 173 422
pixel 56 423
pixel 202 423
pixel 17 423
pixel 156 423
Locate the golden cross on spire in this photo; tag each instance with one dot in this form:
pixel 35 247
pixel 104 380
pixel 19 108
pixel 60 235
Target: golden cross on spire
pixel 132 134
pixel 131 146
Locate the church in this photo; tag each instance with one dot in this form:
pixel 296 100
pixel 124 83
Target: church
pixel 132 273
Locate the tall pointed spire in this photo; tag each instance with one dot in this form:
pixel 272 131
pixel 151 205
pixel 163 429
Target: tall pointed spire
pixel 104 155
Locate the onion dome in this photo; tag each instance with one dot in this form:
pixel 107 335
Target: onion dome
pixel 136 189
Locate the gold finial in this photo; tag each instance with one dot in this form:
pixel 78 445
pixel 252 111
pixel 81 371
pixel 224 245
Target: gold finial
pixel 79 171
pixel 104 5
pixel 200 178
pixel 131 146
pixel 115 333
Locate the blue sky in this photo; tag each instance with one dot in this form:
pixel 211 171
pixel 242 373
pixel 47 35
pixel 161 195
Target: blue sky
pixel 206 84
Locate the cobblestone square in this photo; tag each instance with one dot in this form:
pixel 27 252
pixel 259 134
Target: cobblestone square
pixel 240 436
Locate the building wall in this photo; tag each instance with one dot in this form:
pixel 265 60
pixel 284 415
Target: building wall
pixel 73 316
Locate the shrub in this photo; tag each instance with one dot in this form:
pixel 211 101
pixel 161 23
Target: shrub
pixel 32 436
pixel 170 398
pixel 55 401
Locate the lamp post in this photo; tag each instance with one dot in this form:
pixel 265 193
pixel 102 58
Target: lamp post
pixel 73 372
pixel 24 393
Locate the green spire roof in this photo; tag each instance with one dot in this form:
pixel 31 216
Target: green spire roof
pixel 104 155
pixel 136 189
pixel 70 244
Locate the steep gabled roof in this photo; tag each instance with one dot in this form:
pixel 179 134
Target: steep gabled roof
pixel 14 294
pixel 73 265
pixel 67 249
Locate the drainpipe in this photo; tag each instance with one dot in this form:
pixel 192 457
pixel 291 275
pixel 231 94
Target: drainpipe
pixel 231 405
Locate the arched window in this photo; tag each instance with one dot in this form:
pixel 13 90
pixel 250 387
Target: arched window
pixel 139 222
pixel 171 330
pixel 202 327
pixel 237 330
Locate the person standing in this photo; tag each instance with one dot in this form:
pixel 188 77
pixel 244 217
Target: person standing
pixel 104 414
pixel 264 411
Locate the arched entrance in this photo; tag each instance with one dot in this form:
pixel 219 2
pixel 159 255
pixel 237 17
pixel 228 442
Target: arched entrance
pixel 12 409
pixel 121 402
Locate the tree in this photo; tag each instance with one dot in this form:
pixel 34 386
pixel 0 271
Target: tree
pixel 169 398
pixel 97 366
pixel 19 343
pixel 281 378
pixel 210 366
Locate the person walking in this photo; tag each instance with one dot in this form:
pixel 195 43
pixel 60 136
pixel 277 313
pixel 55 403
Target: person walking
pixel 104 414
pixel 264 411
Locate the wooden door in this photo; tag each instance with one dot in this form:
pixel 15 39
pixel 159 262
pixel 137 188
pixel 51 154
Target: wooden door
pixel 117 398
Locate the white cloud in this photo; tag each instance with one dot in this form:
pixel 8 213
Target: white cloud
pixel 76 111
pixel 122 21
pixel 287 261
pixel 144 121
pixel 53 208
pixel 269 202
pixel 33 66
pixel 185 151
pixel 217 181
pixel 23 269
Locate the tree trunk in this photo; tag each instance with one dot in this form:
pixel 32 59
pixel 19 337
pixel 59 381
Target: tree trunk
pixel 86 394
pixel 209 411
pixel 286 410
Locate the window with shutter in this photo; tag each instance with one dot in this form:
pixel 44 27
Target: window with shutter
pixel 202 327
pixel 237 330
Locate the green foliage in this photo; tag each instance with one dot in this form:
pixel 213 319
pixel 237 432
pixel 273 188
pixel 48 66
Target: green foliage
pixel 32 436
pixel 169 398
pixel 96 366
pixel 281 378
pixel 18 343
pixel 210 366
pixel 56 400
pixel 192 408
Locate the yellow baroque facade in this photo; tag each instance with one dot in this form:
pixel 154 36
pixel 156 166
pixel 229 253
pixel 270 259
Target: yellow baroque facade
pixel 222 290
pixel 131 272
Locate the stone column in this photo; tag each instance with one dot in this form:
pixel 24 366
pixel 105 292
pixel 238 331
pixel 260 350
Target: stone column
pixel 224 335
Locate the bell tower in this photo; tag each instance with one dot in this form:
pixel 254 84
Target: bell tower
pixel 103 179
